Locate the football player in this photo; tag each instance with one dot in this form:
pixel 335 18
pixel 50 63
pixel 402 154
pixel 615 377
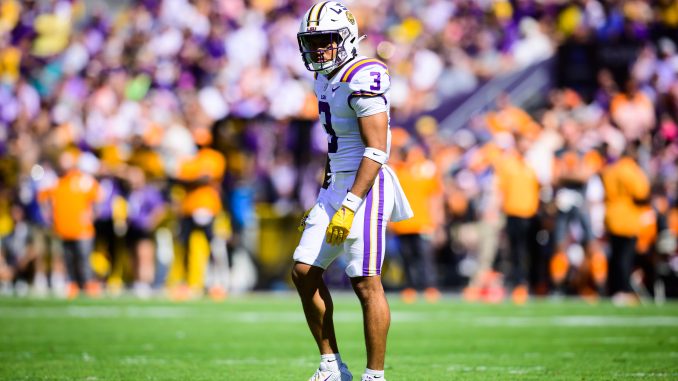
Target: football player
pixel 360 192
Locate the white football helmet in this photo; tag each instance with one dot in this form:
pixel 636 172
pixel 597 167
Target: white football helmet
pixel 325 23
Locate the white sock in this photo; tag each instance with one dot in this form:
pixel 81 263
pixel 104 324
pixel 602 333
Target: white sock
pixel 331 360
pixel 331 356
pixel 375 373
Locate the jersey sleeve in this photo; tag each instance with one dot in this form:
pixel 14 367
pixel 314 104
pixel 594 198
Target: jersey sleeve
pixel 368 81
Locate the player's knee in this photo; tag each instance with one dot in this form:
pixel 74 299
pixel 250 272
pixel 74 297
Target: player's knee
pixel 368 288
pixel 298 276
pixel 303 275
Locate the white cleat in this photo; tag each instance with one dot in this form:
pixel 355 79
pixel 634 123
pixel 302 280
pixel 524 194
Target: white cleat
pixel 324 373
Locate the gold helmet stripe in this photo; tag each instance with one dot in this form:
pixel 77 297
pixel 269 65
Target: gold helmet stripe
pixel 314 13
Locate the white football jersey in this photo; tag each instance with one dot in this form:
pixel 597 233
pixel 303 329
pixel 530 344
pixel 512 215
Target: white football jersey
pixel 362 84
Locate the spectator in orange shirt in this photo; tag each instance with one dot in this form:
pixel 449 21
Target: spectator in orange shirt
pixel 632 111
pixel 201 175
pixel 625 186
pixel 485 283
pixel 72 202
pixel 573 168
pixel 654 239
pixel 512 119
pixel 519 191
pixel 416 237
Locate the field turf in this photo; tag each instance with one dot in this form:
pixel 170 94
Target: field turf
pixel 264 337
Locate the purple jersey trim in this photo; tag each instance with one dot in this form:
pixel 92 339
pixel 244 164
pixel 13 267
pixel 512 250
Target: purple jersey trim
pixel 360 94
pixel 348 76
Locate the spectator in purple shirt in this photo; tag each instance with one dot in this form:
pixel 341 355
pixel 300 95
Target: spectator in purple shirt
pixel 146 209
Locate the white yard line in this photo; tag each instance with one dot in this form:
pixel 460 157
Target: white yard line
pixel 492 368
pixel 671 376
pixel 580 321
pixel 183 311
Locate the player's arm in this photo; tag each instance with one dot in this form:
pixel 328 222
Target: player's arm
pixel 374 130
pixel 370 104
pixel 325 185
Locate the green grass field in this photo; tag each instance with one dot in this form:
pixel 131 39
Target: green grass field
pixel 264 337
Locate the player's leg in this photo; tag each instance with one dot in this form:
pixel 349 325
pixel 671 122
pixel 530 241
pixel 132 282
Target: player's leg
pixel 376 318
pixel 410 256
pixel 488 241
pixel 143 248
pixel 6 271
pixel 595 260
pixel 318 307
pixel 428 268
pixel 623 252
pixel 186 227
pixel 84 252
pixel 75 280
pixel 312 257
pixel 38 248
pixel 366 246
pixel 559 264
pixel 518 230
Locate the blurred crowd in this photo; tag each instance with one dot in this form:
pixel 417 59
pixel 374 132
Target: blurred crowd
pixel 155 143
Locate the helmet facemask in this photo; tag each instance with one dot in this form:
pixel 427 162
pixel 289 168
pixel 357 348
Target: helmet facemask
pixel 323 51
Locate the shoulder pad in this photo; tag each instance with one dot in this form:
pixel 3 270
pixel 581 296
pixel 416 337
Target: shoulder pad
pixel 367 75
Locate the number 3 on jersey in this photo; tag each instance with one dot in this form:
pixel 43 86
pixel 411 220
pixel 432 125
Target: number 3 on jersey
pixel 326 120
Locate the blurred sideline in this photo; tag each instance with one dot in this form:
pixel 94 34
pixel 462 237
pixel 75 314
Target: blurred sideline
pixel 169 146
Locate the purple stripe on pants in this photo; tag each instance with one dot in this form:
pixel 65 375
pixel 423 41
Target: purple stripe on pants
pixel 366 233
pixel 380 220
